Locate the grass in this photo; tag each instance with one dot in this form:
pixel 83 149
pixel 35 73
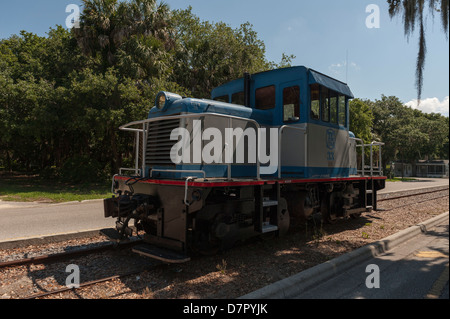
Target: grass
pixel 31 188
pixel 399 179
pixel 222 267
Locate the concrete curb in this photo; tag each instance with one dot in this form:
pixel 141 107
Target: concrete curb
pixel 54 238
pixel 296 284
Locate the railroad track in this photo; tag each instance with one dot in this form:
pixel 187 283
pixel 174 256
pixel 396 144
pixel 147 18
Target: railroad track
pixel 414 194
pixel 445 189
pixel 82 285
pixel 67 254
pixel 57 257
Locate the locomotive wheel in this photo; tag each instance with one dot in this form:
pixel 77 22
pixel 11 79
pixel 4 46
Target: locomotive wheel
pixel 329 209
pixel 299 207
pixel 209 248
pixel 204 242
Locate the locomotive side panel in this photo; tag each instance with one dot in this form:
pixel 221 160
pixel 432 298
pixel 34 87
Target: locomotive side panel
pixel 328 152
pixel 294 150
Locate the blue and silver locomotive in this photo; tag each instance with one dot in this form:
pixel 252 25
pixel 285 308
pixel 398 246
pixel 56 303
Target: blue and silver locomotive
pixel 266 152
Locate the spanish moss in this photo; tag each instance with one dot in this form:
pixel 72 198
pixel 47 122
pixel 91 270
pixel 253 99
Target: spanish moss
pixel 413 13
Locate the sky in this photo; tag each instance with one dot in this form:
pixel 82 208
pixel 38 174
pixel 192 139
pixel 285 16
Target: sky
pixel 330 36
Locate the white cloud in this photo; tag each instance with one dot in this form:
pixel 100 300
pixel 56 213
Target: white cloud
pixel 431 105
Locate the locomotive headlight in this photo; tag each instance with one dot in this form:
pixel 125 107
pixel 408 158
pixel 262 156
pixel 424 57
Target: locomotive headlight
pixel 160 100
pixel 164 99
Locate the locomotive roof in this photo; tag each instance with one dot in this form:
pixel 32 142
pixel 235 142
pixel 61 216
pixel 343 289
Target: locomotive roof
pixel 282 75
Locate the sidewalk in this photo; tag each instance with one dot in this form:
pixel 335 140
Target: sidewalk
pixel 298 285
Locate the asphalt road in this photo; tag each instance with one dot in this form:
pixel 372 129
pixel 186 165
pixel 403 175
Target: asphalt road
pixel 417 269
pixel 29 220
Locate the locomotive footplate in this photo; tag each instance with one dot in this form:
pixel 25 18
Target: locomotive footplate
pixel 162 254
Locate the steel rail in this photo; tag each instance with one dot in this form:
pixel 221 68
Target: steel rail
pixel 82 285
pixel 67 254
pixel 410 195
pixel 419 202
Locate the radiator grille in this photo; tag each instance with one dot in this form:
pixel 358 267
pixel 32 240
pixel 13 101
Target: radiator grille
pixel 159 143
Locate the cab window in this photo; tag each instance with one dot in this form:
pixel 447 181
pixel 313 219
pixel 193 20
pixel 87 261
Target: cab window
pixel 342 110
pixel 324 104
pixel 315 104
pixel 333 107
pixel 265 98
pixel 291 104
pixel 223 98
pixel 238 98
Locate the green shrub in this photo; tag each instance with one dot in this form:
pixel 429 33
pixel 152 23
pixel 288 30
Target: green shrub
pixel 82 168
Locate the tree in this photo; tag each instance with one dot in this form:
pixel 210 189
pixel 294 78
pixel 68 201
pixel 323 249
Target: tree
pixel 361 119
pixel 209 54
pixel 23 88
pixel 414 13
pixel 435 126
pixel 361 122
pixel 63 96
pixel 409 134
pixel 125 33
pixel 129 44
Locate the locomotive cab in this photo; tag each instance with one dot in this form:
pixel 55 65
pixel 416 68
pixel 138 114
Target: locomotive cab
pixel 311 111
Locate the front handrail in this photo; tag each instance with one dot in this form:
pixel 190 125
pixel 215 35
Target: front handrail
pixel 379 171
pixel 380 167
pixel 362 152
pixel 144 130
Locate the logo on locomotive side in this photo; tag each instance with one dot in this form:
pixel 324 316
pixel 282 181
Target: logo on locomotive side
pixel 331 139
pixel 331 145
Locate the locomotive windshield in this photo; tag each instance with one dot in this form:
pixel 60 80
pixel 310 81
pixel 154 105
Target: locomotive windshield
pixel 328 105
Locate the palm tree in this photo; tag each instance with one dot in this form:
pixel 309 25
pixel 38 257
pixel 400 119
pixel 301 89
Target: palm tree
pixel 126 40
pixel 414 13
pixel 113 30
